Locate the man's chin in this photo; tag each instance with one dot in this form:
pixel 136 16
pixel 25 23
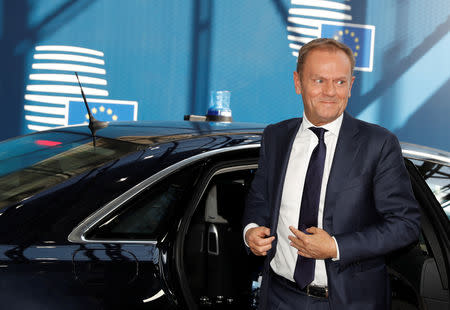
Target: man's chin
pixel 328 118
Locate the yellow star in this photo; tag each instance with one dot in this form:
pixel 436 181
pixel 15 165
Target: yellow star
pixel 352 34
pixel 102 109
pixel 346 31
pixel 336 38
pixel 114 117
pixel 109 111
pixel 356 54
pixel 94 110
pixel 341 32
pixel 357 47
pixel 356 40
pixel 87 116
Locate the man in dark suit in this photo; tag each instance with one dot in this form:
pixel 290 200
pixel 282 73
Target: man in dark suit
pixel 331 196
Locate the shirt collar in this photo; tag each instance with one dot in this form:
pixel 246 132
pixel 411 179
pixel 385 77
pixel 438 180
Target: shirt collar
pixel 332 127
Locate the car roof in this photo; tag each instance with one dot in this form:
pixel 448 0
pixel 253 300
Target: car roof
pixel 424 153
pixel 151 132
pixel 134 149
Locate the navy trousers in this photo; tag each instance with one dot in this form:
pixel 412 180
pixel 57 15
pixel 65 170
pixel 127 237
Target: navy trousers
pixel 285 297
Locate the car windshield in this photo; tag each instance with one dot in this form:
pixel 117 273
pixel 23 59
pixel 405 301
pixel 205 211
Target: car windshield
pixel 35 162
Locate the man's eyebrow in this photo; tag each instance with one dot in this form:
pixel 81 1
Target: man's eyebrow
pixel 315 77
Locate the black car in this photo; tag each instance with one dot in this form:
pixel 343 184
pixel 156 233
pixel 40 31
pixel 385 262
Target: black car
pixel 150 218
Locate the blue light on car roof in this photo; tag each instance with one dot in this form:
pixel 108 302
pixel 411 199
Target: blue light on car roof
pixel 219 106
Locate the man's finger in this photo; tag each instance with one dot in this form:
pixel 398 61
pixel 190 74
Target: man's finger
pixel 313 230
pixel 266 231
pixel 256 252
pixel 304 254
pixel 263 248
pixel 298 233
pixel 264 241
pixel 261 241
pixel 259 253
pixel 296 240
pixel 261 231
pixel 298 246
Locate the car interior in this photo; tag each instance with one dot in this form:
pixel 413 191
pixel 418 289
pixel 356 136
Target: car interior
pixel 220 272
pixel 419 272
pixel 217 266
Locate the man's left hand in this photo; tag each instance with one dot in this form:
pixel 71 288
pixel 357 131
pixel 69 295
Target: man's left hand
pixel 317 244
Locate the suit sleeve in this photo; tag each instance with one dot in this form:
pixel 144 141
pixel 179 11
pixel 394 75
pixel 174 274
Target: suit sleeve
pixel 257 208
pixel 399 223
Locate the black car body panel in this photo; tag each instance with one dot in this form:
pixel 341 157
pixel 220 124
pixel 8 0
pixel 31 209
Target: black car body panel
pixel 40 265
pixel 152 221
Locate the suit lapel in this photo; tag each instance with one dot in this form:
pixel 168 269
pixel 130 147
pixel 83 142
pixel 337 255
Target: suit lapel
pixel 346 149
pixel 286 140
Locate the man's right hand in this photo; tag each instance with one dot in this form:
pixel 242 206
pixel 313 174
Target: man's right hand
pixel 257 240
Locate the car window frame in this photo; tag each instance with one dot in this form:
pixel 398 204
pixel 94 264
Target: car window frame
pixel 432 222
pixel 80 232
pixel 221 167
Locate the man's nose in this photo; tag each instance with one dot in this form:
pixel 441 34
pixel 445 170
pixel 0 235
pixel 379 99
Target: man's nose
pixel 329 88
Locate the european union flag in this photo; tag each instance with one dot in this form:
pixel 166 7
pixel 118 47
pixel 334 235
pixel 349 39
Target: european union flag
pixel 103 111
pixel 360 38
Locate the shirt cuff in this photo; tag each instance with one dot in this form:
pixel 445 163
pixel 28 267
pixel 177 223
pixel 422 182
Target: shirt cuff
pixel 251 225
pixel 337 249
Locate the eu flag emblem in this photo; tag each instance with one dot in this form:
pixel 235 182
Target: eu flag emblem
pixel 103 110
pixel 360 38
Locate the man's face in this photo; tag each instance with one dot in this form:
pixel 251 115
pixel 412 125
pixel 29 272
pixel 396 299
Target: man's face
pixel 325 85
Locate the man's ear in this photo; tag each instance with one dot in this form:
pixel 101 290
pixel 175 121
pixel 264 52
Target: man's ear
pixel 297 84
pixel 350 88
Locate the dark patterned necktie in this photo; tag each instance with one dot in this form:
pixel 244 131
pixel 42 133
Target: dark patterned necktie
pixel 304 268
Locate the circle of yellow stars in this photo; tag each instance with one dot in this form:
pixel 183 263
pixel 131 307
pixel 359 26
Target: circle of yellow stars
pixel 102 109
pixel 339 36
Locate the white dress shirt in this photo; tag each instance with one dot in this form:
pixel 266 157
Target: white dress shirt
pixel 305 141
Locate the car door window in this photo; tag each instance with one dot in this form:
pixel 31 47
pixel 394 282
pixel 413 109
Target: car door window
pixel 146 215
pixel 418 272
pixel 437 177
pixel 213 242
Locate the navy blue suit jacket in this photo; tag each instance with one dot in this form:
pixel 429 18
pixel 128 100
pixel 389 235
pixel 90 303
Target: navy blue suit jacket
pixel 369 207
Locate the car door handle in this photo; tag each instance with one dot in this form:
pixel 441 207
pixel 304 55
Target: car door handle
pixel 213 240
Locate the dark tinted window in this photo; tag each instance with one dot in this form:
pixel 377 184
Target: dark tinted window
pixel 437 177
pixel 33 163
pixel 146 215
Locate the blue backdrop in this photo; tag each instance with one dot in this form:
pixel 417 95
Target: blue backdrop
pixel 159 59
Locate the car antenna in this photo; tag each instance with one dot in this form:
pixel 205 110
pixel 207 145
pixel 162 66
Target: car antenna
pixel 94 124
